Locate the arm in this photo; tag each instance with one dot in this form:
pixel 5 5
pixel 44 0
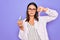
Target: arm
pixel 22 32
pixel 52 14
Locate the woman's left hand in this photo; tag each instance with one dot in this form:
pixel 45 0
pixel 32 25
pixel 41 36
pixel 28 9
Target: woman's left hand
pixel 41 9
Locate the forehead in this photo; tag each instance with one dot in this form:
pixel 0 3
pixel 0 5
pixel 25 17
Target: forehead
pixel 31 6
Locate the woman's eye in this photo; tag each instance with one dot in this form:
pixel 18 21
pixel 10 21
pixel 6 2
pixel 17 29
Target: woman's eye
pixel 31 9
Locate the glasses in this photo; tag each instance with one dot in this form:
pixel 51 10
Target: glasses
pixel 30 9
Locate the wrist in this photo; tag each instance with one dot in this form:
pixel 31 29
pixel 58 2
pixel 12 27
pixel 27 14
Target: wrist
pixel 22 28
pixel 45 9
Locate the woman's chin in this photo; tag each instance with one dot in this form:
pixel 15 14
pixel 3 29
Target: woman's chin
pixel 31 15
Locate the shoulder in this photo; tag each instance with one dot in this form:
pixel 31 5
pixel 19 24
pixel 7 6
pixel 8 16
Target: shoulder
pixel 42 18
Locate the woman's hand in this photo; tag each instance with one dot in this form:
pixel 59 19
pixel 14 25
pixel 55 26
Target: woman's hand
pixel 41 9
pixel 20 24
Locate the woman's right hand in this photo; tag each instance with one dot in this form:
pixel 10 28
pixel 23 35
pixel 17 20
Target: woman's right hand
pixel 20 24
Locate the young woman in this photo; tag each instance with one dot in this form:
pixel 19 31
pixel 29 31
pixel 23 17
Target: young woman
pixel 33 27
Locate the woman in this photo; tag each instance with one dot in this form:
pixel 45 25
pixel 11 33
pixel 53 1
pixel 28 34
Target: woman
pixel 33 27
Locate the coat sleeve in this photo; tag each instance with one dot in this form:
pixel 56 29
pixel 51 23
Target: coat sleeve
pixel 21 34
pixel 52 15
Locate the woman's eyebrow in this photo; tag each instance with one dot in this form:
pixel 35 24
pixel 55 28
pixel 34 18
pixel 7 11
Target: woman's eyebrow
pixel 32 8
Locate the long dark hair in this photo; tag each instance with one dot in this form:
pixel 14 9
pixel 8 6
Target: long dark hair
pixel 36 14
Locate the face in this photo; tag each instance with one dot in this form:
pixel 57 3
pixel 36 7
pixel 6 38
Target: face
pixel 31 10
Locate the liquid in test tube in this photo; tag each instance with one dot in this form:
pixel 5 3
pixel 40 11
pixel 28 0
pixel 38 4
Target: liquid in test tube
pixel 20 18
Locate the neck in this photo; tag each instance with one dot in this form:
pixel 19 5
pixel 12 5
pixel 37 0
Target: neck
pixel 31 17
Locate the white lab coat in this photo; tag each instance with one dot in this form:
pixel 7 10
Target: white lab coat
pixel 39 26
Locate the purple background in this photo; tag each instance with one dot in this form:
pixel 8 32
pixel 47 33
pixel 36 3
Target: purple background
pixel 10 10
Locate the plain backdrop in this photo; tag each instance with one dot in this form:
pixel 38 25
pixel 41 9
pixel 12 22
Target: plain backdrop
pixel 10 10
